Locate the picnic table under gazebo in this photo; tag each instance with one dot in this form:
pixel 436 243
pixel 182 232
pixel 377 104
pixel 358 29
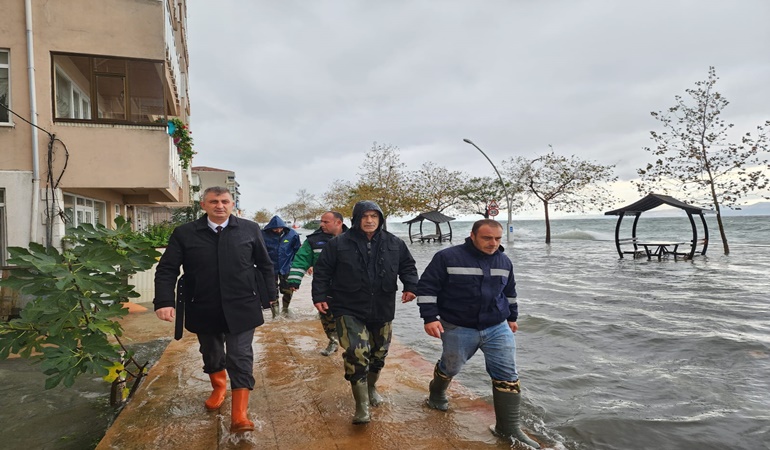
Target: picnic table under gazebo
pixel 650 247
pixel 437 219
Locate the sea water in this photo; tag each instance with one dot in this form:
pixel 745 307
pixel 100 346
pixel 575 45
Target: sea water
pixel 631 353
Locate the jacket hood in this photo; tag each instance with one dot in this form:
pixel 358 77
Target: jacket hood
pixel 276 222
pixel 358 211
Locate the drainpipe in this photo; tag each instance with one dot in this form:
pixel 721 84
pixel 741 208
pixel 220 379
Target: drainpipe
pixel 33 118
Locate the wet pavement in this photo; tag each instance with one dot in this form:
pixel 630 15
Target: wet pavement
pixel 300 399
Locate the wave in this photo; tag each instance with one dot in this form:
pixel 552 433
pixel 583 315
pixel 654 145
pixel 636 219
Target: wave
pixel 584 235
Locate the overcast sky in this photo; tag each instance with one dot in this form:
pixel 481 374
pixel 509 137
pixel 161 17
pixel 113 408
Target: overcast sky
pixel 292 94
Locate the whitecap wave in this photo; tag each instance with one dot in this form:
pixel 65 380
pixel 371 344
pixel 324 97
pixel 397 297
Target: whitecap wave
pixel 583 235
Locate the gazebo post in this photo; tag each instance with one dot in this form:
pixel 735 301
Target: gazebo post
pixel 705 233
pixel 694 242
pixel 617 235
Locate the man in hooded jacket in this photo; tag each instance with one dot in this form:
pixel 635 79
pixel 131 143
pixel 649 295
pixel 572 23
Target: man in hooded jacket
pixel 356 279
pixel 282 244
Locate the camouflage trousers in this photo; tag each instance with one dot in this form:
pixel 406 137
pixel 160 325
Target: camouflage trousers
pixel 366 346
pixel 329 324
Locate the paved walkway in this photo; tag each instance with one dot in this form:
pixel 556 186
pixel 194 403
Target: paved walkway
pixel 300 400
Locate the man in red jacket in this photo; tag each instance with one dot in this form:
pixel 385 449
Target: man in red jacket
pixel 228 279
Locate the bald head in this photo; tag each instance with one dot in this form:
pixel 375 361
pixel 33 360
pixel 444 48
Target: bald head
pixel 331 223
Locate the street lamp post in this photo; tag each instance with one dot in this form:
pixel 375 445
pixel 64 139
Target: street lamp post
pixel 509 228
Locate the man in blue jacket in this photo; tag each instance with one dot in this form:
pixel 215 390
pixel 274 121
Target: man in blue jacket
pixel 356 279
pixel 282 244
pixel 467 298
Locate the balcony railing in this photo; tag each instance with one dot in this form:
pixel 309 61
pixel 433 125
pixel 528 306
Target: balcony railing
pixel 172 54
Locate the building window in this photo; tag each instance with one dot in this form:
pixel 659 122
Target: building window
pixel 5 88
pixel 79 210
pixel 108 89
pixel 72 102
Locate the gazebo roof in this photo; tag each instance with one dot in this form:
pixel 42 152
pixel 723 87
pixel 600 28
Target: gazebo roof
pixel 433 216
pixel 652 201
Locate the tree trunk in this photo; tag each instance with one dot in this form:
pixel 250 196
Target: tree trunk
pixel 722 233
pixel 547 224
pixel 718 209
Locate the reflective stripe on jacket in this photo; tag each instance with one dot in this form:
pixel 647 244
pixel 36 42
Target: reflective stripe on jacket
pixel 468 288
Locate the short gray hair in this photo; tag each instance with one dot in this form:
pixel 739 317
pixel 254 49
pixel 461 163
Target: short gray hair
pixel 216 190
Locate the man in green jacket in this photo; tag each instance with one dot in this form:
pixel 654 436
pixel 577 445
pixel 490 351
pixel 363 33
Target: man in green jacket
pixel 305 259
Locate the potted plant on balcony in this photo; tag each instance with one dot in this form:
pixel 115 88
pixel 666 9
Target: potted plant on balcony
pixel 183 140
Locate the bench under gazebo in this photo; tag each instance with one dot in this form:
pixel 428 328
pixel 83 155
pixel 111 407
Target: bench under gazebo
pixel 657 247
pixel 437 219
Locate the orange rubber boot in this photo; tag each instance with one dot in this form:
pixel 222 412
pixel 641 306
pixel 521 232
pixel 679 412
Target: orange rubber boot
pixel 219 383
pixel 239 421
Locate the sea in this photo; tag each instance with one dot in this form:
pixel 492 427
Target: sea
pixel 631 353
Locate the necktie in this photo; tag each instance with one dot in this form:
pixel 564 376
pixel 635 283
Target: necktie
pixel 219 229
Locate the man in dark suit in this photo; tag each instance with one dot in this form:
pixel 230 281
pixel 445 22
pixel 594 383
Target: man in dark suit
pixel 226 266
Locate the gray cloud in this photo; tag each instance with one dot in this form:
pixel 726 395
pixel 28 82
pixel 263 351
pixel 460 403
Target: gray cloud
pixel 291 95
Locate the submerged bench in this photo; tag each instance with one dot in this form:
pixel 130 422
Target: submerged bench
pixel 657 248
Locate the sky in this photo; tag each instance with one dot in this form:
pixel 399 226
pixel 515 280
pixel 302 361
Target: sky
pixel 291 95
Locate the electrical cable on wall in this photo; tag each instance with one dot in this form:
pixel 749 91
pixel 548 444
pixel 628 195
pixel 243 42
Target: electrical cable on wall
pixel 53 181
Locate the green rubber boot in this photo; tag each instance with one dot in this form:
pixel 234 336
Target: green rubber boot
pixel 274 308
pixel 361 395
pixel 438 386
pixel 375 399
pixel 331 347
pixel 285 310
pixel 507 416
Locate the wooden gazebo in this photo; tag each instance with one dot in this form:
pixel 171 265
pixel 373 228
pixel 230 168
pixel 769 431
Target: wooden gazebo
pixel 659 248
pixel 437 218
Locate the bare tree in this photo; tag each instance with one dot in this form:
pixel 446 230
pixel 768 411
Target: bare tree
pixel 695 159
pixel 339 197
pixel 476 194
pixel 566 184
pixel 436 188
pixel 263 216
pixel 383 179
pixel 304 207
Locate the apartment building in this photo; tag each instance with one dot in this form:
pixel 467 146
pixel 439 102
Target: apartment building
pixel 210 176
pixel 90 86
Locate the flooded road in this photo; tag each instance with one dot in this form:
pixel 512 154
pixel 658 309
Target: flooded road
pixel 300 401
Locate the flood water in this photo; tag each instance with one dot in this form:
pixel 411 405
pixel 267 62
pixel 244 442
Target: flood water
pixel 613 353
pixel 62 418
pixel 634 354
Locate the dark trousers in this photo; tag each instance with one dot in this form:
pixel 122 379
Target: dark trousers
pixel 231 351
pixel 282 283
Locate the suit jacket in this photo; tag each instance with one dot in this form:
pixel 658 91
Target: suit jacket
pixel 228 276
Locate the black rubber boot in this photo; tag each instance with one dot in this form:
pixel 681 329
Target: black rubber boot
pixel 361 395
pixel 375 399
pixel 507 416
pixel 438 386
